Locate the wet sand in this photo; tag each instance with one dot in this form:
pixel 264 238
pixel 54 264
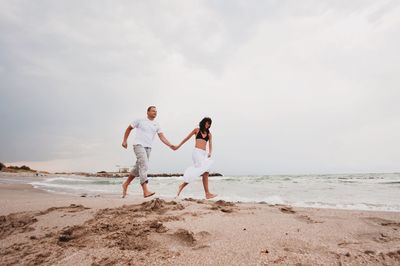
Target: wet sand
pixel 43 228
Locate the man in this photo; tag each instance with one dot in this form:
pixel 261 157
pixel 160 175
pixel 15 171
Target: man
pixel 146 129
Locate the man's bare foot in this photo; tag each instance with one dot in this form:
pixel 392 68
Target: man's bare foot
pixel 210 195
pixel 124 189
pixel 149 194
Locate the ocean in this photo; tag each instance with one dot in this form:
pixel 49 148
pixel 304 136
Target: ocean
pixel 339 191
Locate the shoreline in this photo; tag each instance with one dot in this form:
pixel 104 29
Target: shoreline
pixel 15 194
pixel 137 197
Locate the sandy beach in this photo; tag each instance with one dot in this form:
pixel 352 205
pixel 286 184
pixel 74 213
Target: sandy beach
pixel 44 228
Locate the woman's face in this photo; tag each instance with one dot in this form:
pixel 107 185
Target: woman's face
pixel 208 125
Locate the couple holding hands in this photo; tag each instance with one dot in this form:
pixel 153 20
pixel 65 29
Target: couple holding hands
pixel 146 129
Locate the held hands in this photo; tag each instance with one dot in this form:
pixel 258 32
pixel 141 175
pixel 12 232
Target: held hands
pixel 175 147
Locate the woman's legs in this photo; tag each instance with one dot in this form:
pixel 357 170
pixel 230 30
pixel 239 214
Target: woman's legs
pixel 205 185
pixel 181 186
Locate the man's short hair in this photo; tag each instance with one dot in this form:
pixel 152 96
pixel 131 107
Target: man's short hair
pixel 149 108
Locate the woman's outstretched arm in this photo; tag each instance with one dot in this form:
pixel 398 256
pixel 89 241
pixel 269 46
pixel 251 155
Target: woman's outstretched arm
pixel 188 137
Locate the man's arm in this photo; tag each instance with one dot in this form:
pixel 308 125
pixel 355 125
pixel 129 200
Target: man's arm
pixel 126 135
pixel 165 141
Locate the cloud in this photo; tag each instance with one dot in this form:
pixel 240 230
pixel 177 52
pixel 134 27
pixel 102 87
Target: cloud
pixel 292 87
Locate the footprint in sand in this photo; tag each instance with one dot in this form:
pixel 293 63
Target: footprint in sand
pixel 304 218
pixel 307 219
pixel 190 239
pixel 184 237
pixel 71 208
pixel 223 206
pixel 383 222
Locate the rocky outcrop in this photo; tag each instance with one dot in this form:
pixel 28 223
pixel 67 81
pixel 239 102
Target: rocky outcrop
pixel 176 174
pixel 113 174
pixel 16 169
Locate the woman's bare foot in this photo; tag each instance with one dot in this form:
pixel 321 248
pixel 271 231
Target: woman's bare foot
pixel 124 189
pixel 179 189
pixel 181 186
pixel 210 195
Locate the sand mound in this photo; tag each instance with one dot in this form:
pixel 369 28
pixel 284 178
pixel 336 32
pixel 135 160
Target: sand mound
pixel 160 206
pixel 126 228
pixel 16 223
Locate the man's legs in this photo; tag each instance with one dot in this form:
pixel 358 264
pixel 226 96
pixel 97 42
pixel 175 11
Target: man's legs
pixel 140 169
pixel 205 185
pixel 143 155
pixel 126 184
pixel 146 191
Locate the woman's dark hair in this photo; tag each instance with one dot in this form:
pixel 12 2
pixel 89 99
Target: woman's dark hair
pixel 202 124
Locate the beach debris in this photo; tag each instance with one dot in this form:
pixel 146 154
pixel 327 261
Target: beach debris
pixel 287 209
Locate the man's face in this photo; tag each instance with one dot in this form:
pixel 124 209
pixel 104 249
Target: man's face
pixel 152 113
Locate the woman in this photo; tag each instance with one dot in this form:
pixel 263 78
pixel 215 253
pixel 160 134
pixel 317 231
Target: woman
pixel 201 159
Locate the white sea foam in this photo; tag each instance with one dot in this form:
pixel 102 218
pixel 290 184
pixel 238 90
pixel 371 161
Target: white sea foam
pixel 342 191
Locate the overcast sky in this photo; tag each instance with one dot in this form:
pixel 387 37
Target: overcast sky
pixel 293 87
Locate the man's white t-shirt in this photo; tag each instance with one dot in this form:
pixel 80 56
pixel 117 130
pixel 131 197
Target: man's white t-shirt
pixel 146 129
